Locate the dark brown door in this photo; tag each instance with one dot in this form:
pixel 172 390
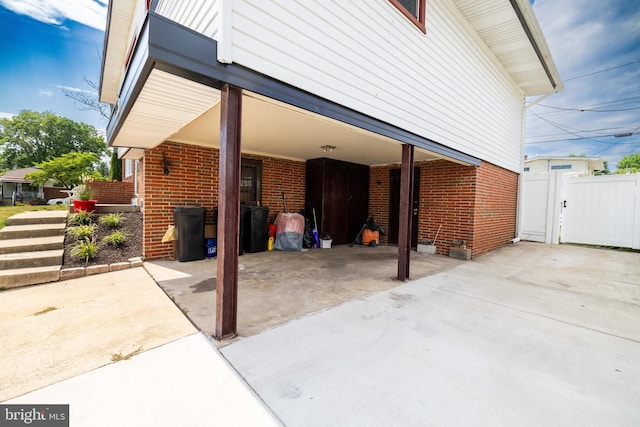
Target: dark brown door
pixel 394 206
pixel 251 182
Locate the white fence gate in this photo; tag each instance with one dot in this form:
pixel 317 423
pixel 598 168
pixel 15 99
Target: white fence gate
pixel 541 204
pixel 596 210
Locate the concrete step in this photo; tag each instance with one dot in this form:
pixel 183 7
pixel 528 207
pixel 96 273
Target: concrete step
pixel 28 276
pixel 12 246
pixel 31 259
pixel 38 217
pixel 35 230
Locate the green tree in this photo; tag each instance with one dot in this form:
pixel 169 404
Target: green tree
pixel 68 169
pixel 103 169
pixel 32 137
pixel 629 163
pixel 116 166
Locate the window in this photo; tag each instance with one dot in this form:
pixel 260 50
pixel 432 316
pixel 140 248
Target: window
pixel 527 169
pixel 558 167
pixel 414 10
pixel 128 170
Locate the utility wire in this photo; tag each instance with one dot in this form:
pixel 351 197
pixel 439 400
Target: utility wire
pixel 614 103
pixel 601 71
pixel 587 110
pixel 589 130
pixel 557 125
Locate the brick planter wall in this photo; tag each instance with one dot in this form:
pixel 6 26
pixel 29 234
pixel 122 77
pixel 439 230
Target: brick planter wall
pixel 475 204
pixel 193 181
pixel 112 192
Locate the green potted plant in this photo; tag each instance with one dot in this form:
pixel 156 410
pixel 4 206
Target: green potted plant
pixel 84 195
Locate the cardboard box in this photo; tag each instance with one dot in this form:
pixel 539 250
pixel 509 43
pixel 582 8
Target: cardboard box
pixel 210 231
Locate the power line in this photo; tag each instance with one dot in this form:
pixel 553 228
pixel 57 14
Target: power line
pixel 585 131
pixel 583 108
pixel 575 132
pixel 601 71
pixel 582 139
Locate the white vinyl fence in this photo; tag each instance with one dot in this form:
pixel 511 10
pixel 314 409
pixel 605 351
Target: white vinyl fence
pixel 596 210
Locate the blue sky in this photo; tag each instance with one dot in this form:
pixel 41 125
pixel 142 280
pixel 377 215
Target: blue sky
pixel 50 45
pixel 585 37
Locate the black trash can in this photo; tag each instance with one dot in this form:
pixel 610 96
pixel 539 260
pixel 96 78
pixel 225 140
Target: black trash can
pixel 256 231
pixel 189 222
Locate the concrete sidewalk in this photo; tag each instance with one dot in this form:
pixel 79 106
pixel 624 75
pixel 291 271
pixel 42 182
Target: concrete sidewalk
pixel 529 335
pixel 183 383
pixel 59 342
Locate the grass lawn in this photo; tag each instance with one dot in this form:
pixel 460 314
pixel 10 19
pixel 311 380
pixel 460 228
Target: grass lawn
pixel 7 211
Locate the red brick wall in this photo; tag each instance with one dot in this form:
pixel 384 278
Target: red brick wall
pixel 475 204
pixel 447 199
pixel 112 192
pixel 496 202
pixel 379 197
pixel 193 181
pixel 278 176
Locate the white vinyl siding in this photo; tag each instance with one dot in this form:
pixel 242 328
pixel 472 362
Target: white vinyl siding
pixel 446 85
pixel 199 15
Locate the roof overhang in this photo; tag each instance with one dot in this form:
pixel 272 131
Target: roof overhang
pixel 511 30
pixel 173 85
pixel 119 19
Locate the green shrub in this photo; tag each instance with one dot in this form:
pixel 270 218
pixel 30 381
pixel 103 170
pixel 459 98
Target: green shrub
pixel 82 232
pixel 117 238
pixel 80 218
pixel 85 250
pixel 111 220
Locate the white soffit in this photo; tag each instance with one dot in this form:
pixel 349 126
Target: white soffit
pixel 116 49
pixel 165 105
pixel 499 26
pixel 275 129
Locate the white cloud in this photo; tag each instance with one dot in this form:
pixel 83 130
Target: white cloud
pixel 46 92
pixel 75 89
pixel 4 115
pixel 88 12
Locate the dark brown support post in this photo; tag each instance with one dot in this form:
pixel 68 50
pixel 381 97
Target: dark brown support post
pixel 228 212
pixel 404 226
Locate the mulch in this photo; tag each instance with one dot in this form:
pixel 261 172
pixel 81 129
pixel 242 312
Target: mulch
pixel 108 254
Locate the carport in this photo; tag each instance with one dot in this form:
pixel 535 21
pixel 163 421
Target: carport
pixel 170 93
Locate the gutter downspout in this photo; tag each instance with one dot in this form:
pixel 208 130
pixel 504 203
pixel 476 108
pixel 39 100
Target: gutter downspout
pixel 517 238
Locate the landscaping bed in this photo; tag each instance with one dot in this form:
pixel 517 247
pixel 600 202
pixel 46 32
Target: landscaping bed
pixel 130 224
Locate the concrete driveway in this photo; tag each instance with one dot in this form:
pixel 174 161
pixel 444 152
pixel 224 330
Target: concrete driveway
pixel 530 334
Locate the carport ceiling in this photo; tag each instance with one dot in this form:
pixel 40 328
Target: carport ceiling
pixel 170 108
pixel 275 129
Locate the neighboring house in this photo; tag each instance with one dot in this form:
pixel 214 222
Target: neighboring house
pixel 14 185
pixel 580 166
pixel 222 102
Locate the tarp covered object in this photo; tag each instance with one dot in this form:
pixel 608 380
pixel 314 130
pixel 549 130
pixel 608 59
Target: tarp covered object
pixel 289 232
